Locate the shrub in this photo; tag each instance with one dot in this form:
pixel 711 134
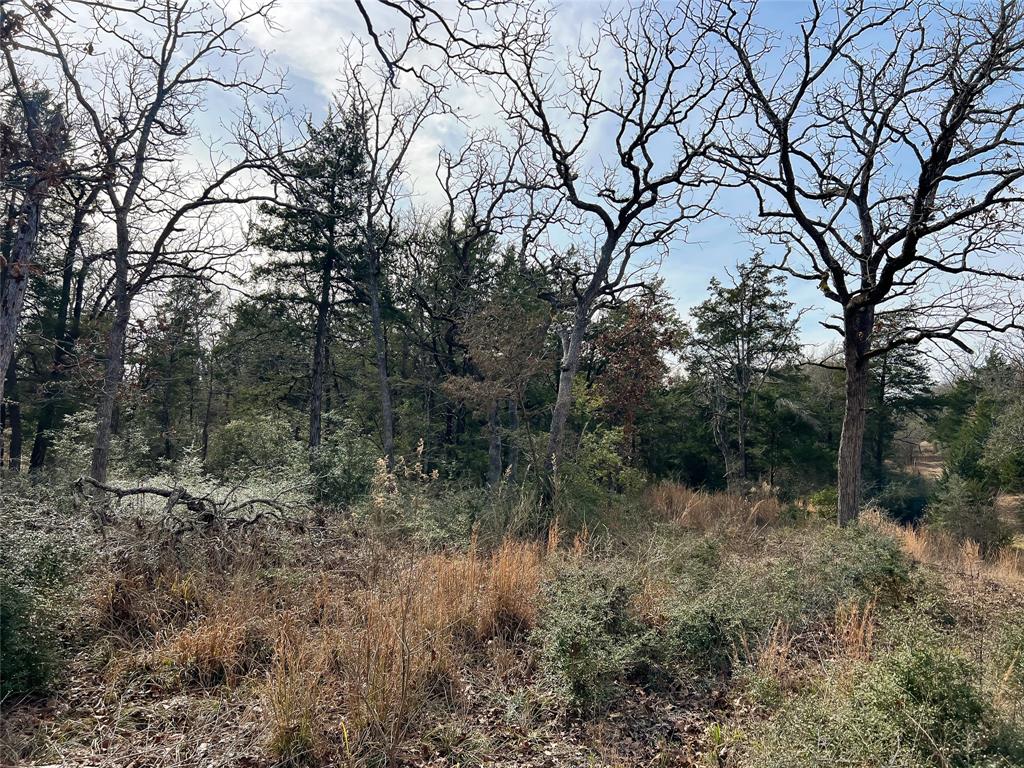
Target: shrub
pixel 589 642
pixel 597 470
pixel 825 503
pixel 914 706
pixel 344 464
pixel 904 498
pixel 253 443
pixel 41 551
pixel 966 509
pixel 711 624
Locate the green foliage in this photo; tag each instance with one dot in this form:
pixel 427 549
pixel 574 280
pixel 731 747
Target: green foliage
pixel 966 509
pixel 825 503
pixel 917 705
pixel 1003 453
pixel 597 472
pixel 590 644
pixel 253 443
pixel 743 335
pixel 904 498
pixel 343 465
pixel 41 551
pixel 714 622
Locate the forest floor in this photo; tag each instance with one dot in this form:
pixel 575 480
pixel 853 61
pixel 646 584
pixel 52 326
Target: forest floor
pixel 682 630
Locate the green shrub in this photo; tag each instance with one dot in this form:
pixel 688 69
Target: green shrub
pixel 904 498
pixel 253 443
pixel 41 550
pixel 720 619
pixel 852 563
pixel 825 503
pixel 344 464
pixel 915 706
pixel 597 472
pixel 589 642
pixel 966 509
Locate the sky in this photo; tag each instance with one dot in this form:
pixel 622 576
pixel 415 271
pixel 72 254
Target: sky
pixel 308 40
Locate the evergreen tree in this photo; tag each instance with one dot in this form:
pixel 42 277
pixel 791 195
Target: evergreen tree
pixel 314 233
pixel 743 334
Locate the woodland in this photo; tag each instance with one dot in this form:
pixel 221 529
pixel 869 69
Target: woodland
pixel 546 384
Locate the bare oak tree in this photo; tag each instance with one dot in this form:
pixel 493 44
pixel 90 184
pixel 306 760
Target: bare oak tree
pixel 33 161
pixel 138 72
pixel 619 130
pixel 885 146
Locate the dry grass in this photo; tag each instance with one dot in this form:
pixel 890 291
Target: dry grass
pixel 231 640
pixel 702 511
pixel 383 654
pixel 855 630
pixel 925 545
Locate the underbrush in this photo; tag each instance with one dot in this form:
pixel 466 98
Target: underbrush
pixel 915 704
pixel 711 605
pixel 396 636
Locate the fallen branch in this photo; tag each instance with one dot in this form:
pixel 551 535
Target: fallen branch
pixel 208 511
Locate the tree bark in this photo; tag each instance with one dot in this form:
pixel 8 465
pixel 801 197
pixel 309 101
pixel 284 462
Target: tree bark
pixel 114 371
pixel 572 345
pixel 387 414
pixel 858 324
pixel 47 145
pixel 13 405
pixel 15 275
pixel 881 419
pixel 323 311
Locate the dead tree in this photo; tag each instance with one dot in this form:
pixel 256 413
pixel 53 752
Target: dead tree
pixel 619 132
pixel 137 73
pixel 885 147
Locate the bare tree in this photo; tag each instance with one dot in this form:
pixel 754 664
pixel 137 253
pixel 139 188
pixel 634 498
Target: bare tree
pixel 33 161
pixel 392 123
pixel 619 131
pixel 884 145
pixel 138 72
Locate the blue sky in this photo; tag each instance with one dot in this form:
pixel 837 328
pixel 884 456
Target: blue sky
pixel 308 43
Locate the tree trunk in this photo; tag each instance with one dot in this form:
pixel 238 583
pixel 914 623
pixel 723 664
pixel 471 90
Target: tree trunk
pixel 48 142
pixel 207 411
pixel 387 414
pixel 881 419
pixel 572 345
pixel 316 396
pixel 493 446
pixel 858 325
pixel 114 371
pixel 15 274
pixel 13 404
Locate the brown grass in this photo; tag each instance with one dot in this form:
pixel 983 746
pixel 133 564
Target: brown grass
pixel 704 511
pixel 926 545
pixel 385 653
pixel 855 630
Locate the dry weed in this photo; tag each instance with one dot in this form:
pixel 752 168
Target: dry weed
pixel 703 511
